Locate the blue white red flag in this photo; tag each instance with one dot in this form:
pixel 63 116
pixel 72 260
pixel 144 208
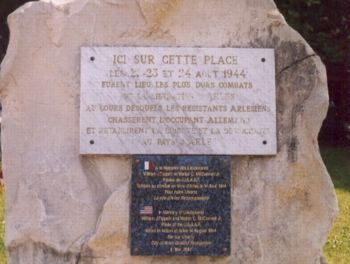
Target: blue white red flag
pixel 148 165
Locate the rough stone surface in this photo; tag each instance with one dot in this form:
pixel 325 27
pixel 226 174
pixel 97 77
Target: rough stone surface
pixel 66 208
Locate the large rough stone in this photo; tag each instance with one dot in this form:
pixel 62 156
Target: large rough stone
pixel 65 208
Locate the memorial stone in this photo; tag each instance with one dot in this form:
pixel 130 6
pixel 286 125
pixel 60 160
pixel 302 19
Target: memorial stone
pixel 70 177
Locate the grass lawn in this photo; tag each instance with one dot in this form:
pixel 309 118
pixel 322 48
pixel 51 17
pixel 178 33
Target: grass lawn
pixel 2 227
pixel 337 248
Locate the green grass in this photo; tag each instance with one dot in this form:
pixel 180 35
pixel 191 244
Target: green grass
pixel 2 226
pixel 337 248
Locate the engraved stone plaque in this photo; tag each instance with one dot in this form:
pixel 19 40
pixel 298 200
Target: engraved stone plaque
pixel 139 100
pixel 180 205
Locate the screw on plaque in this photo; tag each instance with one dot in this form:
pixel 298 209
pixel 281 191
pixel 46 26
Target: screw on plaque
pixel 263 59
pixel 264 142
pixel 92 142
pixel 92 58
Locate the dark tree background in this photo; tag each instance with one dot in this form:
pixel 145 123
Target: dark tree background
pixel 325 24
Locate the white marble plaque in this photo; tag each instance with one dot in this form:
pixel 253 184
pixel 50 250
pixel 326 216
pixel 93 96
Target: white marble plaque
pixel 149 100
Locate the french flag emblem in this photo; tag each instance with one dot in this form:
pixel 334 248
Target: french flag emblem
pixel 148 166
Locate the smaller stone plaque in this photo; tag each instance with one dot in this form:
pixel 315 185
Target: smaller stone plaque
pixel 181 205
